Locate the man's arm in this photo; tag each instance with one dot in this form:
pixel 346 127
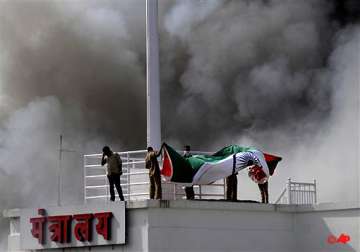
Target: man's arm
pixel 103 159
pixel 119 162
pixel 154 154
pixel 158 153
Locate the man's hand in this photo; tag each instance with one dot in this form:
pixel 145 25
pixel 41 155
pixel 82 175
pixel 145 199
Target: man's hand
pixel 157 153
pixel 257 174
pixel 103 160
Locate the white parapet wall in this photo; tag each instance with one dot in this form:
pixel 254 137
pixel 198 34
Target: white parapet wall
pixel 180 225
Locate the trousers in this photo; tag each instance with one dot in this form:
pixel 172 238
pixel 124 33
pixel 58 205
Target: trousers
pixel 231 187
pixel 189 191
pixel 155 186
pixel 264 192
pixel 114 180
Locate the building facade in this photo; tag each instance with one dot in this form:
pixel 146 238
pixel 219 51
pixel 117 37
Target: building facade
pixel 181 225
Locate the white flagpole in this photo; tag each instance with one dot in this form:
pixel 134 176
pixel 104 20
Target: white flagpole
pixel 60 172
pixel 152 75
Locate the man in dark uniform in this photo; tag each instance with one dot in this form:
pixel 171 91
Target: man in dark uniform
pixel 264 192
pixel 231 184
pixel 264 187
pixel 152 164
pixel 231 187
pixel 189 190
pixel 114 171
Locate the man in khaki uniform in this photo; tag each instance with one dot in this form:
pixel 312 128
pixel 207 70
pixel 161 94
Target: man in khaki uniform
pixel 114 171
pixel 152 164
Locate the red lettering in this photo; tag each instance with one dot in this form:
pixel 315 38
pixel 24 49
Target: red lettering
pixel 82 229
pixel 331 239
pixel 103 227
pixel 343 238
pixel 41 211
pixel 60 228
pixel 37 229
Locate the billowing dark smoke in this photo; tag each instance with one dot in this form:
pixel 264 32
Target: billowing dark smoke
pixel 269 74
pixel 71 68
pixel 278 74
pixel 88 54
pixel 247 67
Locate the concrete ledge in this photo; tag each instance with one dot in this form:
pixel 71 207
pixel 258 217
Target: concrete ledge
pixel 240 206
pixel 322 207
pixel 200 204
pixel 222 205
pixel 11 213
pixel 153 225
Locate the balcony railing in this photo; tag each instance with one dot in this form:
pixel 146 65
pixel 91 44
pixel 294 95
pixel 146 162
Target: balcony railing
pixel 135 180
pixel 298 193
pixel 135 183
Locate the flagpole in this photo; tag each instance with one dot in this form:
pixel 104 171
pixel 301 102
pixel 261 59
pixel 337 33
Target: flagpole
pixel 60 170
pixel 152 75
pixel 59 173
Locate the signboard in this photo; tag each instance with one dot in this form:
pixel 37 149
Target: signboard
pixel 72 226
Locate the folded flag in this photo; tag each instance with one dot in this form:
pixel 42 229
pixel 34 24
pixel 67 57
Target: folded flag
pixel 206 169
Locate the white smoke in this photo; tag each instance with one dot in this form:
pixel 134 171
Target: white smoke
pixel 244 60
pixel 260 74
pixel 69 68
pixel 276 74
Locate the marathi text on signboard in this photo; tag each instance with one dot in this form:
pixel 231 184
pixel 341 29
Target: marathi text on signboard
pixel 72 227
pixel 60 227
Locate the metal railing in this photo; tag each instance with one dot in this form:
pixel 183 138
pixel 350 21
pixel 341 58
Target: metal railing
pixel 298 193
pixel 135 180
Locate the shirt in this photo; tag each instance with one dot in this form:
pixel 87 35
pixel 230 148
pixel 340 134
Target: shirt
pixel 152 164
pixel 114 164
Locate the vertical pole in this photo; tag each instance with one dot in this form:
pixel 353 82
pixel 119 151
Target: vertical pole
pixel 200 192
pixel 106 180
pixel 315 192
pixel 174 186
pixel 59 173
pixel 152 75
pixel 107 188
pixel 289 190
pixel 304 194
pixel 309 195
pixel 84 163
pixel 129 170
pixel 224 187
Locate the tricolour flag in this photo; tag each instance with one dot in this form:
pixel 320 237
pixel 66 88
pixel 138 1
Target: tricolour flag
pixel 206 169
